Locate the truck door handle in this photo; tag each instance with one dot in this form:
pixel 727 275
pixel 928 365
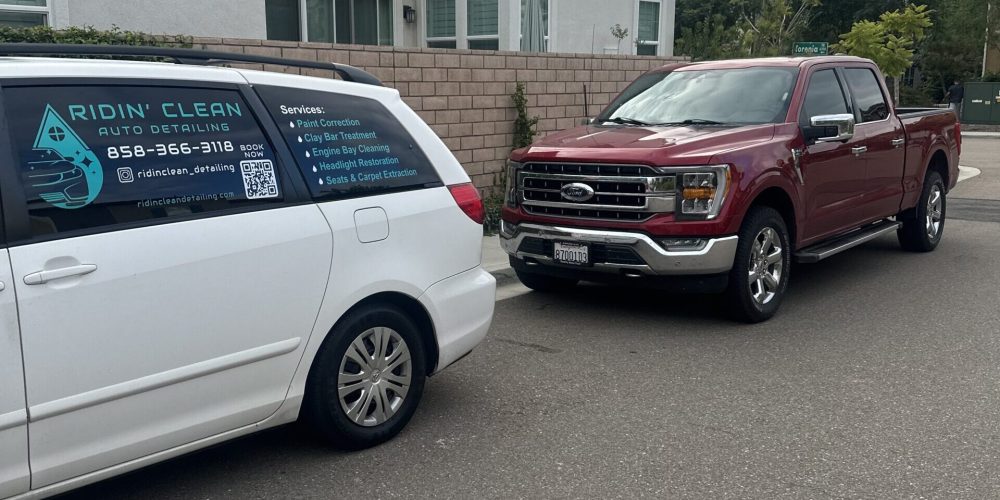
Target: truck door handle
pixel 896 143
pixel 42 277
pixel 860 150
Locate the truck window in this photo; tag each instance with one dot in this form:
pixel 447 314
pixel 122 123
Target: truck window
pixel 739 96
pixel 347 146
pixel 93 156
pixel 867 94
pixel 823 97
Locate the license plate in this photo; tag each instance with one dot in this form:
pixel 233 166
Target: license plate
pixel 571 253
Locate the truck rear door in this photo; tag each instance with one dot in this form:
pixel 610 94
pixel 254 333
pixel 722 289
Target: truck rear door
pixel 884 140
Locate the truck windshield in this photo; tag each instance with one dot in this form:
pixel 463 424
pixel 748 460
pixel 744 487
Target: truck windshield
pixel 705 97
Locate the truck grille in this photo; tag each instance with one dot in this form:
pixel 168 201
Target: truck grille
pixel 630 193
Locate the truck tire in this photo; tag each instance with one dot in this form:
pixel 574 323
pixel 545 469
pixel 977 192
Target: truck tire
pixel 367 379
pixel 923 226
pixel 759 277
pixel 544 283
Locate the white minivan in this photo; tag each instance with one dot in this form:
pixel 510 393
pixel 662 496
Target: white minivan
pixel 191 254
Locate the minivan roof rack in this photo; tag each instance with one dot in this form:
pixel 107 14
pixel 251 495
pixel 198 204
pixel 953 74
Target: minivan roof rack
pixel 183 56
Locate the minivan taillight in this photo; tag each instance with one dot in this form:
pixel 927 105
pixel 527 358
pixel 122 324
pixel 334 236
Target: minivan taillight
pixel 467 197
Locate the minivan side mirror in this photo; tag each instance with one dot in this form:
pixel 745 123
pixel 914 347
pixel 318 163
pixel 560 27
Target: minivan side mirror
pixel 830 128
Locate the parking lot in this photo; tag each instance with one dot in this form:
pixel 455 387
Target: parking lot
pixel 878 378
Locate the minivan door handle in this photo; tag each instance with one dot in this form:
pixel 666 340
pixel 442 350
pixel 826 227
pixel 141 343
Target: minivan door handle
pixel 860 150
pixel 42 277
pixel 897 143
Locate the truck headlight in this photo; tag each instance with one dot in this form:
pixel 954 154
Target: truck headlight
pixel 702 192
pixel 510 187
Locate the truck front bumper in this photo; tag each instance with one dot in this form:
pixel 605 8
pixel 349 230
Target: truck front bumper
pixel 619 253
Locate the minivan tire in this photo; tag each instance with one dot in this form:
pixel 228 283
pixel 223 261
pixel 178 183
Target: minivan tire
pixel 323 409
pixel 914 235
pixel 760 224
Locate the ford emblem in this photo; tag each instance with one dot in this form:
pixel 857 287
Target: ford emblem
pixel 577 192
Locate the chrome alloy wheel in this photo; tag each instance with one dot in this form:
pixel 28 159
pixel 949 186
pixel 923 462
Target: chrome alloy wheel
pixel 374 376
pixel 934 215
pixel 766 265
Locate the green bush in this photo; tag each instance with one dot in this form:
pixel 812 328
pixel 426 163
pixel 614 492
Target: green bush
pixel 90 35
pixel 914 97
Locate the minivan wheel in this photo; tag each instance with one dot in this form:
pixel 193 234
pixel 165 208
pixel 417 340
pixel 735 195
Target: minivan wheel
pixel 759 277
pixel 924 225
pixel 367 379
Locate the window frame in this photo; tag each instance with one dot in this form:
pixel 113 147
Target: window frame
pixel 803 120
pixel 659 26
pixel 425 7
pixel 487 37
pixel 46 10
pixel 13 203
pixel 858 118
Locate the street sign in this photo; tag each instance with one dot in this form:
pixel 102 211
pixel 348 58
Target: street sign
pixel 812 48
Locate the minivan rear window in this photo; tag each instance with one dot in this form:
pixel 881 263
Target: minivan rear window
pixel 92 156
pixel 347 145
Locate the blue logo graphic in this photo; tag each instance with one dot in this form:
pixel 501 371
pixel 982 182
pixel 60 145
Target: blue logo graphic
pixel 69 175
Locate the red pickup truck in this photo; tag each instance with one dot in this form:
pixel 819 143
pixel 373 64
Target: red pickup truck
pixel 714 176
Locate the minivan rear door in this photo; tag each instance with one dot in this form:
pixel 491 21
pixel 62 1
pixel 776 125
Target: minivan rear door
pixel 167 274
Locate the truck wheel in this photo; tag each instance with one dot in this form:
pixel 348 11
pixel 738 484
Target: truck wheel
pixel 923 226
pixel 545 283
pixel 367 378
pixel 759 277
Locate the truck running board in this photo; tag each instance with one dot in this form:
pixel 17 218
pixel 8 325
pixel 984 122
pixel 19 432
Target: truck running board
pixel 832 247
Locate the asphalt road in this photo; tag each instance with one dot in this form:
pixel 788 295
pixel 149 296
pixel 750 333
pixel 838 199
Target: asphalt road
pixel 880 378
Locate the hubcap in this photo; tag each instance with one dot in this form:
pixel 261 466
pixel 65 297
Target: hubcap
pixel 374 376
pixel 766 265
pixel 934 215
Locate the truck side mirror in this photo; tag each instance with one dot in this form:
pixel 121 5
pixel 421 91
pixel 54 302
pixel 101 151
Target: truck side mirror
pixel 588 121
pixel 830 128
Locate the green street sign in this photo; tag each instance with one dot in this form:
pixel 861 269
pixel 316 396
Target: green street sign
pixel 812 48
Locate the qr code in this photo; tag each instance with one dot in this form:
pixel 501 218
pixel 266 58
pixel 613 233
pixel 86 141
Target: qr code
pixel 259 180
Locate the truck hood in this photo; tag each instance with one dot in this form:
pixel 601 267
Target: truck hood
pixel 681 145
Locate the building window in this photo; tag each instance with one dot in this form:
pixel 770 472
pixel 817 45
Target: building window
pixel 441 24
pixel 282 20
pixel 23 13
pixel 647 41
pixel 527 14
pixel 362 22
pixel 484 24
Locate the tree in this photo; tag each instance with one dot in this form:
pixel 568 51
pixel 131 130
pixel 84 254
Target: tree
pixel 770 26
pixel 889 41
pixel 709 39
pixel 620 33
pixel 952 50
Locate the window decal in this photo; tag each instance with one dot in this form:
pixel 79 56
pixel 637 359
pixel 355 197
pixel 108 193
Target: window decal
pixel 69 175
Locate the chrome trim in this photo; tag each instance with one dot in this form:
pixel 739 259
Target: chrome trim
pixel 797 163
pixel 859 150
pixel 654 184
pixel 653 204
pixel 896 143
pixel 716 257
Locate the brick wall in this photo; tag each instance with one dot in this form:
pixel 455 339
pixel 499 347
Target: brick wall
pixel 465 95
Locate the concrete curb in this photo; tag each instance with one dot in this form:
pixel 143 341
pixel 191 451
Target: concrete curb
pixel 980 134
